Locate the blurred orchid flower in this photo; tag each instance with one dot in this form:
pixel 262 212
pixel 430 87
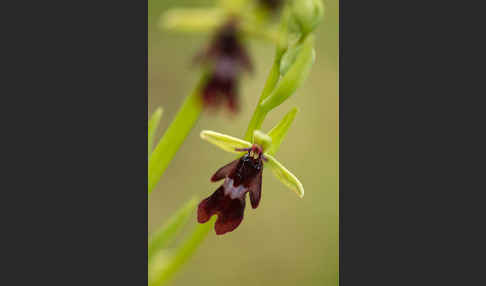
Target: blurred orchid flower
pixel 225 58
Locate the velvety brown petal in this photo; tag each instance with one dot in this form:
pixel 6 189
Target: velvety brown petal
pixel 230 212
pixel 255 189
pixel 231 216
pixel 224 171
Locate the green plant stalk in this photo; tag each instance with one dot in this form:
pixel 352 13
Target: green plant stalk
pixel 173 137
pixel 153 123
pixel 183 253
pixel 162 237
pixel 260 113
pixel 280 90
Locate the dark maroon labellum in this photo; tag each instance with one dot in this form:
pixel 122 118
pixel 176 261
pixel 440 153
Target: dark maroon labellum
pixel 226 57
pixel 241 176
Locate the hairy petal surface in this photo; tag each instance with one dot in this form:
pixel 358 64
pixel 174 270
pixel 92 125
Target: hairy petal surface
pixel 229 211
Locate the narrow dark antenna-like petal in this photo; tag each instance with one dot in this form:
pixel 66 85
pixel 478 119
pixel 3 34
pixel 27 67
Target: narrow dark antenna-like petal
pixel 224 171
pixel 255 189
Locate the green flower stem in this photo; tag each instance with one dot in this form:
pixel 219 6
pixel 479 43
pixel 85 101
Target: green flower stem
pixel 183 253
pixel 177 132
pixel 255 123
pixel 163 236
pixel 260 113
pixel 153 123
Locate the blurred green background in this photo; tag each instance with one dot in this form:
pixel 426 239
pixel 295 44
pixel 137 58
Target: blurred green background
pixel 286 240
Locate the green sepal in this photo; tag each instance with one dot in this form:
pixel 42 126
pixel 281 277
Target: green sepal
pixel 280 130
pixel 285 176
pixel 225 142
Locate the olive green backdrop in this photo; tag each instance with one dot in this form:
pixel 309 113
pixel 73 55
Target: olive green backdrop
pixel 287 240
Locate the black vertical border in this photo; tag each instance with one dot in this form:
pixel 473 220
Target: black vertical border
pixel 411 156
pixel 78 170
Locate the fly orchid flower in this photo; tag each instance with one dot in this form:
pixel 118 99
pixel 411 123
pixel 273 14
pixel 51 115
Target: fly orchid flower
pixel 226 57
pixel 244 175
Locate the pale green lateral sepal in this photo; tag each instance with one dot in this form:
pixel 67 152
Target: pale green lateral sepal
pixel 193 20
pixel 280 130
pixel 262 139
pixel 225 142
pixel 285 176
pixel 153 123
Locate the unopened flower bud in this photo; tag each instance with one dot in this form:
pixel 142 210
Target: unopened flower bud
pixel 308 13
